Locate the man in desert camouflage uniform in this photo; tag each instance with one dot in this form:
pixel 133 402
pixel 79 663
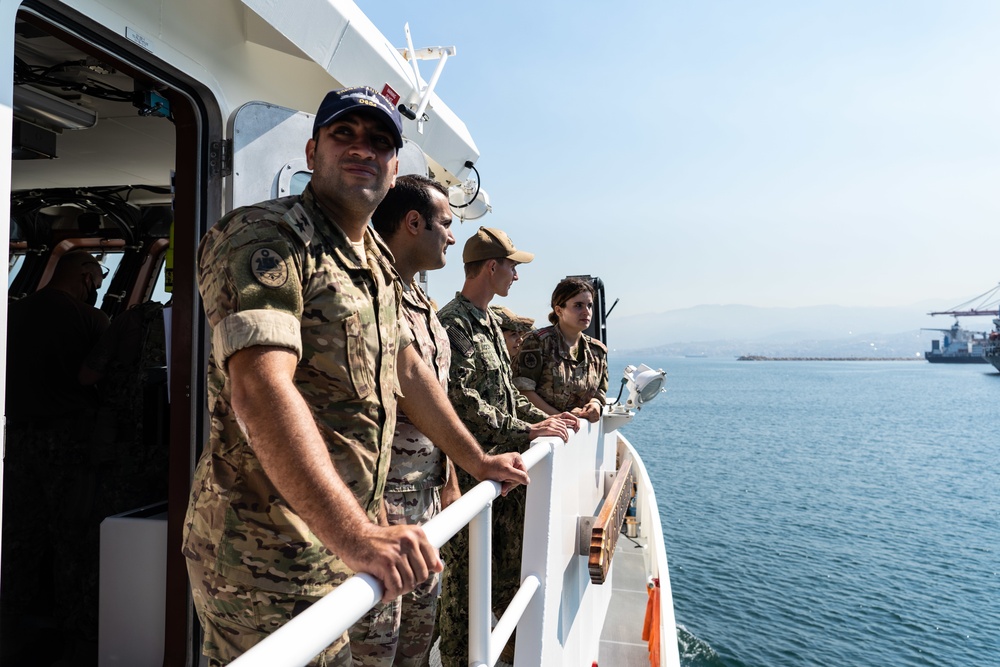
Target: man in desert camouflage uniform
pixel 481 389
pixel 415 221
pixel 308 355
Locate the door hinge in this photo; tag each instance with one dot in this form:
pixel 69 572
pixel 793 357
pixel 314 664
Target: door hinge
pixel 220 158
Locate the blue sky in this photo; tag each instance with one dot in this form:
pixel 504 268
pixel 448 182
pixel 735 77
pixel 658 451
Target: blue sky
pixel 771 153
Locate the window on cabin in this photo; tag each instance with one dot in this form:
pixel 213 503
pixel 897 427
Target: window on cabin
pixel 299 181
pixel 14 265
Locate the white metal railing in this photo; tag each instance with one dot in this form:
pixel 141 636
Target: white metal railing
pixel 309 633
pixel 656 556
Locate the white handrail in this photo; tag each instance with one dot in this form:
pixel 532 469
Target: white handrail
pixel 508 622
pixel 308 634
pixel 480 584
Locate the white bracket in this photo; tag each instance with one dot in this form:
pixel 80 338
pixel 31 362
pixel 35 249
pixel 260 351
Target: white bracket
pixel 423 94
pixel 585 528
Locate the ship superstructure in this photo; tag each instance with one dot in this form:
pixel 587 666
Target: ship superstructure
pixel 957 346
pixel 133 127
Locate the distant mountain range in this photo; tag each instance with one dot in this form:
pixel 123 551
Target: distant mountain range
pixel 828 331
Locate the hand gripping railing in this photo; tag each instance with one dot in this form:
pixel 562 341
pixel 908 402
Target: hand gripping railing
pixel 308 634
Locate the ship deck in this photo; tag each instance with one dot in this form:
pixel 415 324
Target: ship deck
pixel 621 638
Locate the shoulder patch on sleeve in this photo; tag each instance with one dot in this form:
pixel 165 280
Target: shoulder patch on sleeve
pixel 461 342
pixel 530 360
pixel 268 267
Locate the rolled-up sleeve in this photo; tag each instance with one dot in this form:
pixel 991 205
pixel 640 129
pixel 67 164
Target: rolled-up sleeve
pixel 256 327
pixel 249 276
pixel 602 385
pixel 405 334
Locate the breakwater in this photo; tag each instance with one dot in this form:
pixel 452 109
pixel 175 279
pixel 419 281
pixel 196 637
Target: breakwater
pixel 757 357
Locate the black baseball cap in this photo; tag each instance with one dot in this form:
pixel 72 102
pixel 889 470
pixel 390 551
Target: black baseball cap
pixel 348 100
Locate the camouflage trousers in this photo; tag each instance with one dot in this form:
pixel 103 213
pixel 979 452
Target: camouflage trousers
pixel 400 632
pixel 508 529
pixel 236 617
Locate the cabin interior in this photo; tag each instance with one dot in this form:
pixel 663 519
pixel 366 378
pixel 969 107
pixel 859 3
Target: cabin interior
pixel 110 156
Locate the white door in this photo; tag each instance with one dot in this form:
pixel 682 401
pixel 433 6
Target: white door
pixel 269 153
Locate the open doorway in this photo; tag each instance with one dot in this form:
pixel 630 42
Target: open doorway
pixel 108 159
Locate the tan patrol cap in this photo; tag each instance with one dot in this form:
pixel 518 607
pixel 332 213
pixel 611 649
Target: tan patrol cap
pixel 511 322
pixel 489 243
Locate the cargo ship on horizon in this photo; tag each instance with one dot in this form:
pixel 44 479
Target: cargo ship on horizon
pixel 957 346
pixel 961 346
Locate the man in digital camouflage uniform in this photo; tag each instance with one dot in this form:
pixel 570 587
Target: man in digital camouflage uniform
pixel 308 355
pixel 415 220
pixel 481 389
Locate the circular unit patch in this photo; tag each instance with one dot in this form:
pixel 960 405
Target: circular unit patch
pixel 531 360
pixel 268 268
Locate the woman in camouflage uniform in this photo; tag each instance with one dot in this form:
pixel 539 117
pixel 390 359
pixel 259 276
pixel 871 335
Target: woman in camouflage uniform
pixel 560 368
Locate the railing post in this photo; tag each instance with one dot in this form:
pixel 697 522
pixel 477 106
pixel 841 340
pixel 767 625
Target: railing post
pixel 480 586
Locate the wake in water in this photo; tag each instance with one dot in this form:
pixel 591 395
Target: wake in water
pixel 697 652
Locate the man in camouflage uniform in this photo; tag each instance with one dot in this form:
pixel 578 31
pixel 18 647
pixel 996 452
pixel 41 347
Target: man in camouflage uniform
pixel 308 356
pixel 415 220
pixel 481 388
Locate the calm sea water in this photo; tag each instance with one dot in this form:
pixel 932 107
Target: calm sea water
pixel 828 513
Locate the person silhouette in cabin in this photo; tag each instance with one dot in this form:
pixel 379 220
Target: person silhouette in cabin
pixel 52 467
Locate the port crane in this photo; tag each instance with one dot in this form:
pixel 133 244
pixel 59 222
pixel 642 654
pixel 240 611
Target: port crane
pixel 986 304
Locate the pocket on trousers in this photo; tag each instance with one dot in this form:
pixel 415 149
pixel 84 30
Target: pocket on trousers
pixel 383 623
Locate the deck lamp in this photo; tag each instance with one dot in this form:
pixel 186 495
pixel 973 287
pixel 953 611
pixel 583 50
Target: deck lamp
pixel 468 201
pixel 466 205
pixel 643 384
pixel 49 111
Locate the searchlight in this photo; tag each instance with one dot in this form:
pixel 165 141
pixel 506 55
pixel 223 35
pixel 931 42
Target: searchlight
pixel 643 384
